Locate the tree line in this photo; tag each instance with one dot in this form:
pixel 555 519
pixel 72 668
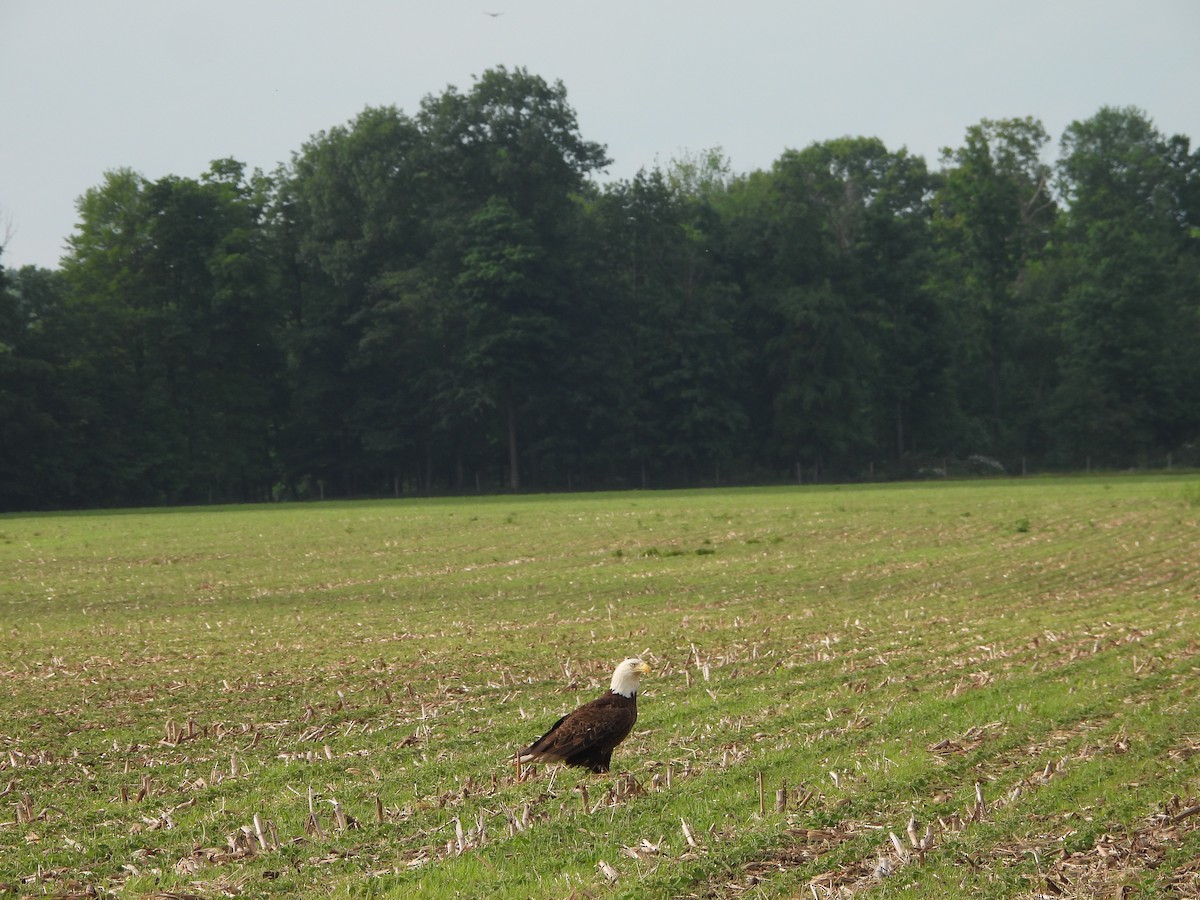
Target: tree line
pixel 453 300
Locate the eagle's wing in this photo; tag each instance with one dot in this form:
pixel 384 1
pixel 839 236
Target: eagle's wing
pixel 598 725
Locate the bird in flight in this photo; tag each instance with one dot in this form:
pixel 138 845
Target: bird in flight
pixel 494 15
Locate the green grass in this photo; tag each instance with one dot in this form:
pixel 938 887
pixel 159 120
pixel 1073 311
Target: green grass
pixel 875 653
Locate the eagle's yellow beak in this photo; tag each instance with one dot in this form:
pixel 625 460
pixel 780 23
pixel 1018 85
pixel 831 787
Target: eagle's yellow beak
pixel 643 668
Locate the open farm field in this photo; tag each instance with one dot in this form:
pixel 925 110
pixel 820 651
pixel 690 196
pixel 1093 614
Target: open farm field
pixel 982 689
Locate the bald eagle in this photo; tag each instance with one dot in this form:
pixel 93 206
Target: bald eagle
pixel 587 736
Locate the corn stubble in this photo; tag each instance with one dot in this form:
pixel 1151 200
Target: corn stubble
pixel 856 690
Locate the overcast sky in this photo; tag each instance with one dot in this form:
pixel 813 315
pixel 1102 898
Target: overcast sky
pixel 166 86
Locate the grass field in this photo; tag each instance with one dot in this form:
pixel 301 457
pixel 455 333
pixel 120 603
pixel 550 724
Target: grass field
pixel 982 689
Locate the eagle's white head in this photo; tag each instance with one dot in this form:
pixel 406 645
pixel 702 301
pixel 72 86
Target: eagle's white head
pixel 627 676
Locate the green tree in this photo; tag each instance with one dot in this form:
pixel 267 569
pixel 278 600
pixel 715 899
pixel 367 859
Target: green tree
pixel 672 367
pixel 994 214
pixel 169 278
pixel 348 221
pixel 510 333
pixel 1127 315
pixel 108 297
pixel 513 136
pixel 509 168
pixel 830 246
pixel 431 273
pixel 33 469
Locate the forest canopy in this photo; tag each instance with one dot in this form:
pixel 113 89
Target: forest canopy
pixel 454 299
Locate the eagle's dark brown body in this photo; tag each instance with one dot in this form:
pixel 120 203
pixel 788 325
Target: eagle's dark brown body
pixel 587 736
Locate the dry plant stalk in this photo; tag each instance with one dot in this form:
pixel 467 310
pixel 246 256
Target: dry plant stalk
pixel 898 846
pixel 628 786
pixel 911 828
pixel 24 809
pixel 687 832
pixel 1184 814
pixel 922 844
pixel 311 824
pixel 980 808
pixel 259 833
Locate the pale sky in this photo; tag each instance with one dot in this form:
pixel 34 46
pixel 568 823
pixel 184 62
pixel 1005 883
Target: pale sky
pixel 166 86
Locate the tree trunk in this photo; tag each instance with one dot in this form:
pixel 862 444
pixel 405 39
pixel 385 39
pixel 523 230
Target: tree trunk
pixel 514 467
